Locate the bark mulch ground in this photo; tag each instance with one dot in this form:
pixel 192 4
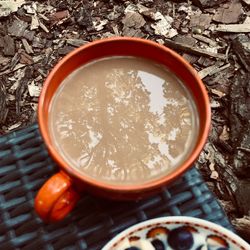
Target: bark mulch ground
pixel 213 35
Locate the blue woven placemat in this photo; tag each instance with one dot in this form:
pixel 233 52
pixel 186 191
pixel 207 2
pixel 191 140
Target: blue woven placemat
pixel 24 167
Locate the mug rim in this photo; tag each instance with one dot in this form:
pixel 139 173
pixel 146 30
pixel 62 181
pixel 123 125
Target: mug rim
pixel 156 183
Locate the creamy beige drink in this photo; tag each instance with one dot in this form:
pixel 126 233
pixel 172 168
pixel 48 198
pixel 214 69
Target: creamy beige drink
pixel 123 120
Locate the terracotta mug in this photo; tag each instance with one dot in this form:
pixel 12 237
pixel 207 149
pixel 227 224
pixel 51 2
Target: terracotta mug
pixel 60 193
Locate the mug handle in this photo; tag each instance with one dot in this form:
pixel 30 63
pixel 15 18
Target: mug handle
pixel 56 198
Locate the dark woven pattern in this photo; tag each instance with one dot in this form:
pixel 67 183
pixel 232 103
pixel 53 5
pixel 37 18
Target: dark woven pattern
pixel 25 165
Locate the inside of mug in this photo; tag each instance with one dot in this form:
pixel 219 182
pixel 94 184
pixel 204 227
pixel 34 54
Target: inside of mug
pixel 135 48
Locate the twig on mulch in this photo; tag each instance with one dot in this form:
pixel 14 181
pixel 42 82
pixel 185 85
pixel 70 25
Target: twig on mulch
pixel 3 108
pixel 235 28
pixel 190 49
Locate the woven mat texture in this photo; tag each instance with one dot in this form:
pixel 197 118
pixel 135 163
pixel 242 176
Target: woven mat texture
pixel 24 167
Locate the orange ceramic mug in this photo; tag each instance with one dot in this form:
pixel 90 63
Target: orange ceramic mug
pixel 60 193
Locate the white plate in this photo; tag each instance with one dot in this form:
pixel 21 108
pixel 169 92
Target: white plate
pixel 195 232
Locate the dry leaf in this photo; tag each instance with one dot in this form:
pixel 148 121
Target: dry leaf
pixel 224 136
pixel 211 165
pixel 218 93
pixel 215 104
pixel 163 26
pixel 214 175
pixel 133 19
pixel 16 125
pixel 131 8
pixel 7 7
pixel 34 22
pixel 31 9
pixel 229 14
pixel 10 97
pixel 34 106
pixel 247 20
pixel 100 25
pixel 34 90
